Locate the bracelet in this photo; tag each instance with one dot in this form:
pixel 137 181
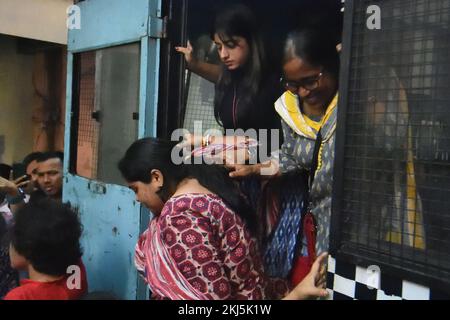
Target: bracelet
pixel 203 142
pixel 206 140
pixel 17 199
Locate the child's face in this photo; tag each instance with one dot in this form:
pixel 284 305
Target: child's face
pixel 17 261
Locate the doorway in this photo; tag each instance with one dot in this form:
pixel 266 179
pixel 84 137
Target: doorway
pixel 184 96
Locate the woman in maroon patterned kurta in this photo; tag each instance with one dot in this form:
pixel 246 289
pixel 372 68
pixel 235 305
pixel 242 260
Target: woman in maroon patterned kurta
pixel 199 244
pixel 211 247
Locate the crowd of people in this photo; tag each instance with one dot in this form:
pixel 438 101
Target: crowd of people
pixel 39 234
pixel 219 231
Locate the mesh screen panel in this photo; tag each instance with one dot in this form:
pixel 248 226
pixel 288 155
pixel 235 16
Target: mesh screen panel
pixel 200 92
pixel 88 128
pixel 108 100
pixel 200 104
pixel 393 203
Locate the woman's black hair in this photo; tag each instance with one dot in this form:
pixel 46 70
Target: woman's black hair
pixel 47 233
pixel 239 21
pixel 149 154
pixel 316 46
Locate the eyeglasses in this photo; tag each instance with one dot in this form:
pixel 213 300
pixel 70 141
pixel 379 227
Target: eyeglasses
pixel 309 84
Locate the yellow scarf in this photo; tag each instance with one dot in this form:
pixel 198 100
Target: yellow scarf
pixel 289 110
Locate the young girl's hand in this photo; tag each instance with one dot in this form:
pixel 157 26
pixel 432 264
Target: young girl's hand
pixel 188 53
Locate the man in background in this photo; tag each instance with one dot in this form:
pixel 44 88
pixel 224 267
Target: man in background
pixel 49 174
pixel 30 164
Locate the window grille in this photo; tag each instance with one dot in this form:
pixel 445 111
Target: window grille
pixel 87 127
pixel 391 204
pixel 105 110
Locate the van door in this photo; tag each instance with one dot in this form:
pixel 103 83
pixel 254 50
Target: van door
pixel 112 85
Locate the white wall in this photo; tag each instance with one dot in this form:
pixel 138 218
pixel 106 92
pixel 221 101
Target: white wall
pixel 16 99
pixel 35 19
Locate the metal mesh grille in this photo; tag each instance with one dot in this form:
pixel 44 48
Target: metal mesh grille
pixel 200 104
pixel 395 200
pixel 200 97
pixel 107 108
pixel 88 128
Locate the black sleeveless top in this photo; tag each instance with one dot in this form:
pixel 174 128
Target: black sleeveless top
pixel 259 114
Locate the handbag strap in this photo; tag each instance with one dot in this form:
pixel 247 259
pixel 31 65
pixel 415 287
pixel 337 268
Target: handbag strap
pixel 315 159
pixel 309 224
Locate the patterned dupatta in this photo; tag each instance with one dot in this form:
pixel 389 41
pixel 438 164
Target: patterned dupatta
pixel 285 199
pixel 286 196
pixel 154 263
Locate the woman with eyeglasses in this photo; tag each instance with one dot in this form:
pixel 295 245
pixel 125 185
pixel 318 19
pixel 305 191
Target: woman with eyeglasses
pixel 309 105
pixel 246 86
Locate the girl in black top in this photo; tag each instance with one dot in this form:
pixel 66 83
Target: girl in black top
pixel 246 87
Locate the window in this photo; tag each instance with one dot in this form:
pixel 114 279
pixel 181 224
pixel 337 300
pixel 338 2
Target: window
pixel 392 178
pixel 106 104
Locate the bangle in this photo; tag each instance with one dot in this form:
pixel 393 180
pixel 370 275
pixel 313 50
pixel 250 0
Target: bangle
pixel 203 142
pixel 17 199
pixel 206 141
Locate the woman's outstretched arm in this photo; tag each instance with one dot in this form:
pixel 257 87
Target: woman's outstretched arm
pixel 209 71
